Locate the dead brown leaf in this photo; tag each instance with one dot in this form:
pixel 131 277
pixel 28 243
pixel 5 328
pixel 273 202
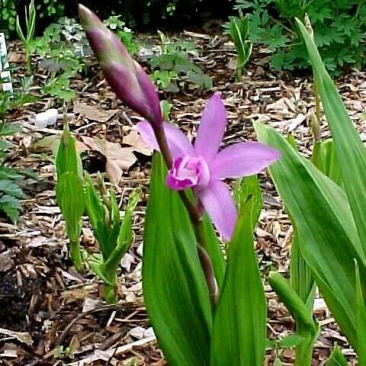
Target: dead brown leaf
pixel 134 140
pixel 93 113
pixel 118 158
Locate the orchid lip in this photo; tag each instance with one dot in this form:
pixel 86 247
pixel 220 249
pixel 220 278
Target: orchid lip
pixel 187 172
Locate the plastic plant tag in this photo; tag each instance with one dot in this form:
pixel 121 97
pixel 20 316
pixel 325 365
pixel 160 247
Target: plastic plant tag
pixel 47 118
pixel 5 77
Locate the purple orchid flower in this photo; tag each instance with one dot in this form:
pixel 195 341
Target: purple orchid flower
pixel 202 166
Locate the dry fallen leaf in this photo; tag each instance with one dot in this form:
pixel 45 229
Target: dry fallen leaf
pixel 23 337
pixel 118 158
pixel 45 144
pixel 6 261
pixel 93 113
pixel 134 140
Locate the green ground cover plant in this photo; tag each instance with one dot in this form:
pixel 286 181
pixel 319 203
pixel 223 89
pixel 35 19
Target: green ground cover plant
pixel 339 28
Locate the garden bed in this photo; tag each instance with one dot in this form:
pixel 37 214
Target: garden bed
pixel 52 315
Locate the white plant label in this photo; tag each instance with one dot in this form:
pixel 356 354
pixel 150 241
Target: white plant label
pixel 5 76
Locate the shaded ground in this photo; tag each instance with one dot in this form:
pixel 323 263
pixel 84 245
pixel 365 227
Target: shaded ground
pixel 50 314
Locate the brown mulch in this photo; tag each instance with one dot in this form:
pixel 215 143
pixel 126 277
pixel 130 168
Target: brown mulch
pixel 52 315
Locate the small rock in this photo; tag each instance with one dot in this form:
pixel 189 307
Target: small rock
pixel 6 261
pixel 138 332
pixel 127 261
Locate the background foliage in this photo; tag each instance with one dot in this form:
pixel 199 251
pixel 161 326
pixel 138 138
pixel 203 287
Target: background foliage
pixel 148 14
pixel 339 29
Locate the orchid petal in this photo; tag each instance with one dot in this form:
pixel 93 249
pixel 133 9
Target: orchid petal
pixel 220 206
pixel 178 142
pixel 211 129
pixel 242 159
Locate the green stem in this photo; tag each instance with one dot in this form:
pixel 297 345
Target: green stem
pixel 317 100
pixel 75 254
pixel 110 293
pixel 28 57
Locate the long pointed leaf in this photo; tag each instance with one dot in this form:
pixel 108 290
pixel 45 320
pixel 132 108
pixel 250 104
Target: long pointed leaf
pixel 337 358
pixel 348 144
pixel 329 238
pixel 360 320
pixel 239 331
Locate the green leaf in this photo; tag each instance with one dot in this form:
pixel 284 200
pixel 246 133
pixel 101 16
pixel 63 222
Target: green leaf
pixel 328 162
pixel 349 148
pixel 96 213
pixel 239 331
pixel 290 341
pixel 67 158
pixel 11 188
pixel 245 188
pixel 9 173
pixel 214 250
pixel 7 129
pixel 337 358
pixel 114 224
pixel 269 344
pixel 125 234
pixel 5 145
pixel 123 241
pixel 301 278
pixel 175 291
pixel 11 207
pixel 360 320
pixel 322 218
pixel 239 31
pixel 71 199
pixel 306 326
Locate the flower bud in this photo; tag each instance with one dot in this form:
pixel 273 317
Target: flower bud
pixel 125 76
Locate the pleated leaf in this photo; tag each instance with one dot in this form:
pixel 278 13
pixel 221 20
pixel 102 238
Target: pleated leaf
pixel 71 199
pixel 301 277
pixel 239 331
pixel 349 148
pixel 306 326
pixel 328 236
pixel 175 290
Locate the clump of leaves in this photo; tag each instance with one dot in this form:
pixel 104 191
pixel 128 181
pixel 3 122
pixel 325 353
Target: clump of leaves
pixel 239 31
pixel 10 190
pixel 339 30
pixel 125 34
pixel 62 49
pixel 173 67
pixel 7 16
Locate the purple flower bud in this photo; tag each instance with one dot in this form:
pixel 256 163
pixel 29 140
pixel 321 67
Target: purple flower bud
pixel 125 76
